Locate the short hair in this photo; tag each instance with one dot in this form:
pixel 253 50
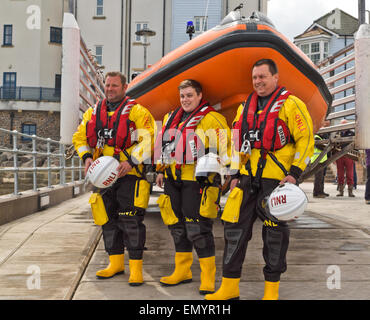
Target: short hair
pixel 116 74
pixel 191 83
pixel 271 64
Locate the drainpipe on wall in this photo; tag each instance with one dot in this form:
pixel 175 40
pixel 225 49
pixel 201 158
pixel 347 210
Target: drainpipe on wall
pixel 11 126
pixel 76 10
pixel 164 26
pixel 128 38
pixel 121 48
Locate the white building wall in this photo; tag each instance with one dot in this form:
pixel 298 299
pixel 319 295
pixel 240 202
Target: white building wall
pixel 151 13
pixel 115 30
pixel 32 56
pixel 106 30
pixel 14 59
pixel 35 60
pixel 50 62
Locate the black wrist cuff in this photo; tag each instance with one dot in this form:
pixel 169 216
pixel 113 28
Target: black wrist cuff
pixel 295 172
pixel 86 155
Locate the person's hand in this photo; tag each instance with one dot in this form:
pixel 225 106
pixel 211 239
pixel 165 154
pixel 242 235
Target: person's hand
pixel 290 179
pixel 233 184
pixel 88 163
pixel 123 168
pixel 159 180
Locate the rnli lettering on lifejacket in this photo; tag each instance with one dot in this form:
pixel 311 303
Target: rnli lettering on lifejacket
pixel 299 122
pixel 275 201
pixel 110 179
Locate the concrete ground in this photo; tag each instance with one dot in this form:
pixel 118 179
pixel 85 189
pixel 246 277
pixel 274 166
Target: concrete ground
pixel 55 253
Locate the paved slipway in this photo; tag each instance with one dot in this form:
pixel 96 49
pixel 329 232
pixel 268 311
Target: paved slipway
pixel 54 254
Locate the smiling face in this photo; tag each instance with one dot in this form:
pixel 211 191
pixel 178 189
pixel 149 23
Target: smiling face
pixel 264 82
pixel 189 99
pixel 114 89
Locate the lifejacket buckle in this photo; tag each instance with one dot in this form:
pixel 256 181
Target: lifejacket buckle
pixel 254 135
pixel 108 133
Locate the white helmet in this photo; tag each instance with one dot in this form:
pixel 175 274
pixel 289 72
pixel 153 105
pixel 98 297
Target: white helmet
pixel 287 202
pixel 103 172
pixel 209 163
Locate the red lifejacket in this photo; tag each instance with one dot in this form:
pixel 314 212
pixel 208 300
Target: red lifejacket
pixel 264 130
pixel 182 137
pixel 116 129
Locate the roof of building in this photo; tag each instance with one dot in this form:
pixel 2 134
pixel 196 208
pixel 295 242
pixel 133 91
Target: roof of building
pixel 313 32
pixel 335 22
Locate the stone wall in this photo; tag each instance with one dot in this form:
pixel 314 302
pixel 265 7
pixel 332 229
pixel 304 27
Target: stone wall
pixel 47 123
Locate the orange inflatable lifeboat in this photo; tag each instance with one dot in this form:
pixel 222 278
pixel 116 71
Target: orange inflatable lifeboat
pixel 221 60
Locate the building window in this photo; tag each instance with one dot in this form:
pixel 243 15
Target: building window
pixel 55 35
pixel 8 35
pixel 326 49
pixel 316 51
pixel 99 54
pixel 315 47
pixel 99 7
pixel 140 26
pixel 201 23
pixel 9 85
pixel 305 48
pixel 315 58
pixel 58 82
pixel 29 129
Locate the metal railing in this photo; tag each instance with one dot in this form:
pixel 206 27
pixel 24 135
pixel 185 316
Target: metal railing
pixel 30 94
pixel 91 79
pixel 338 72
pixel 75 164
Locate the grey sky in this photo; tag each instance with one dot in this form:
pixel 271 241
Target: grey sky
pixel 292 17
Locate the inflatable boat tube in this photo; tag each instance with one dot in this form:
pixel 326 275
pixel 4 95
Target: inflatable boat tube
pixel 221 59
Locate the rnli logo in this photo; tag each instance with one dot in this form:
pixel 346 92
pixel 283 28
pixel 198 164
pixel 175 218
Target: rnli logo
pixel 278 200
pixel 299 122
pixel 93 165
pixel 110 179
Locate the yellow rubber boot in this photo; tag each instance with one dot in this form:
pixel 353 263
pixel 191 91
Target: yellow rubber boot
pixel 182 273
pixel 271 290
pixel 207 275
pixel 136 273
pixel 229 290
pixel 116 266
